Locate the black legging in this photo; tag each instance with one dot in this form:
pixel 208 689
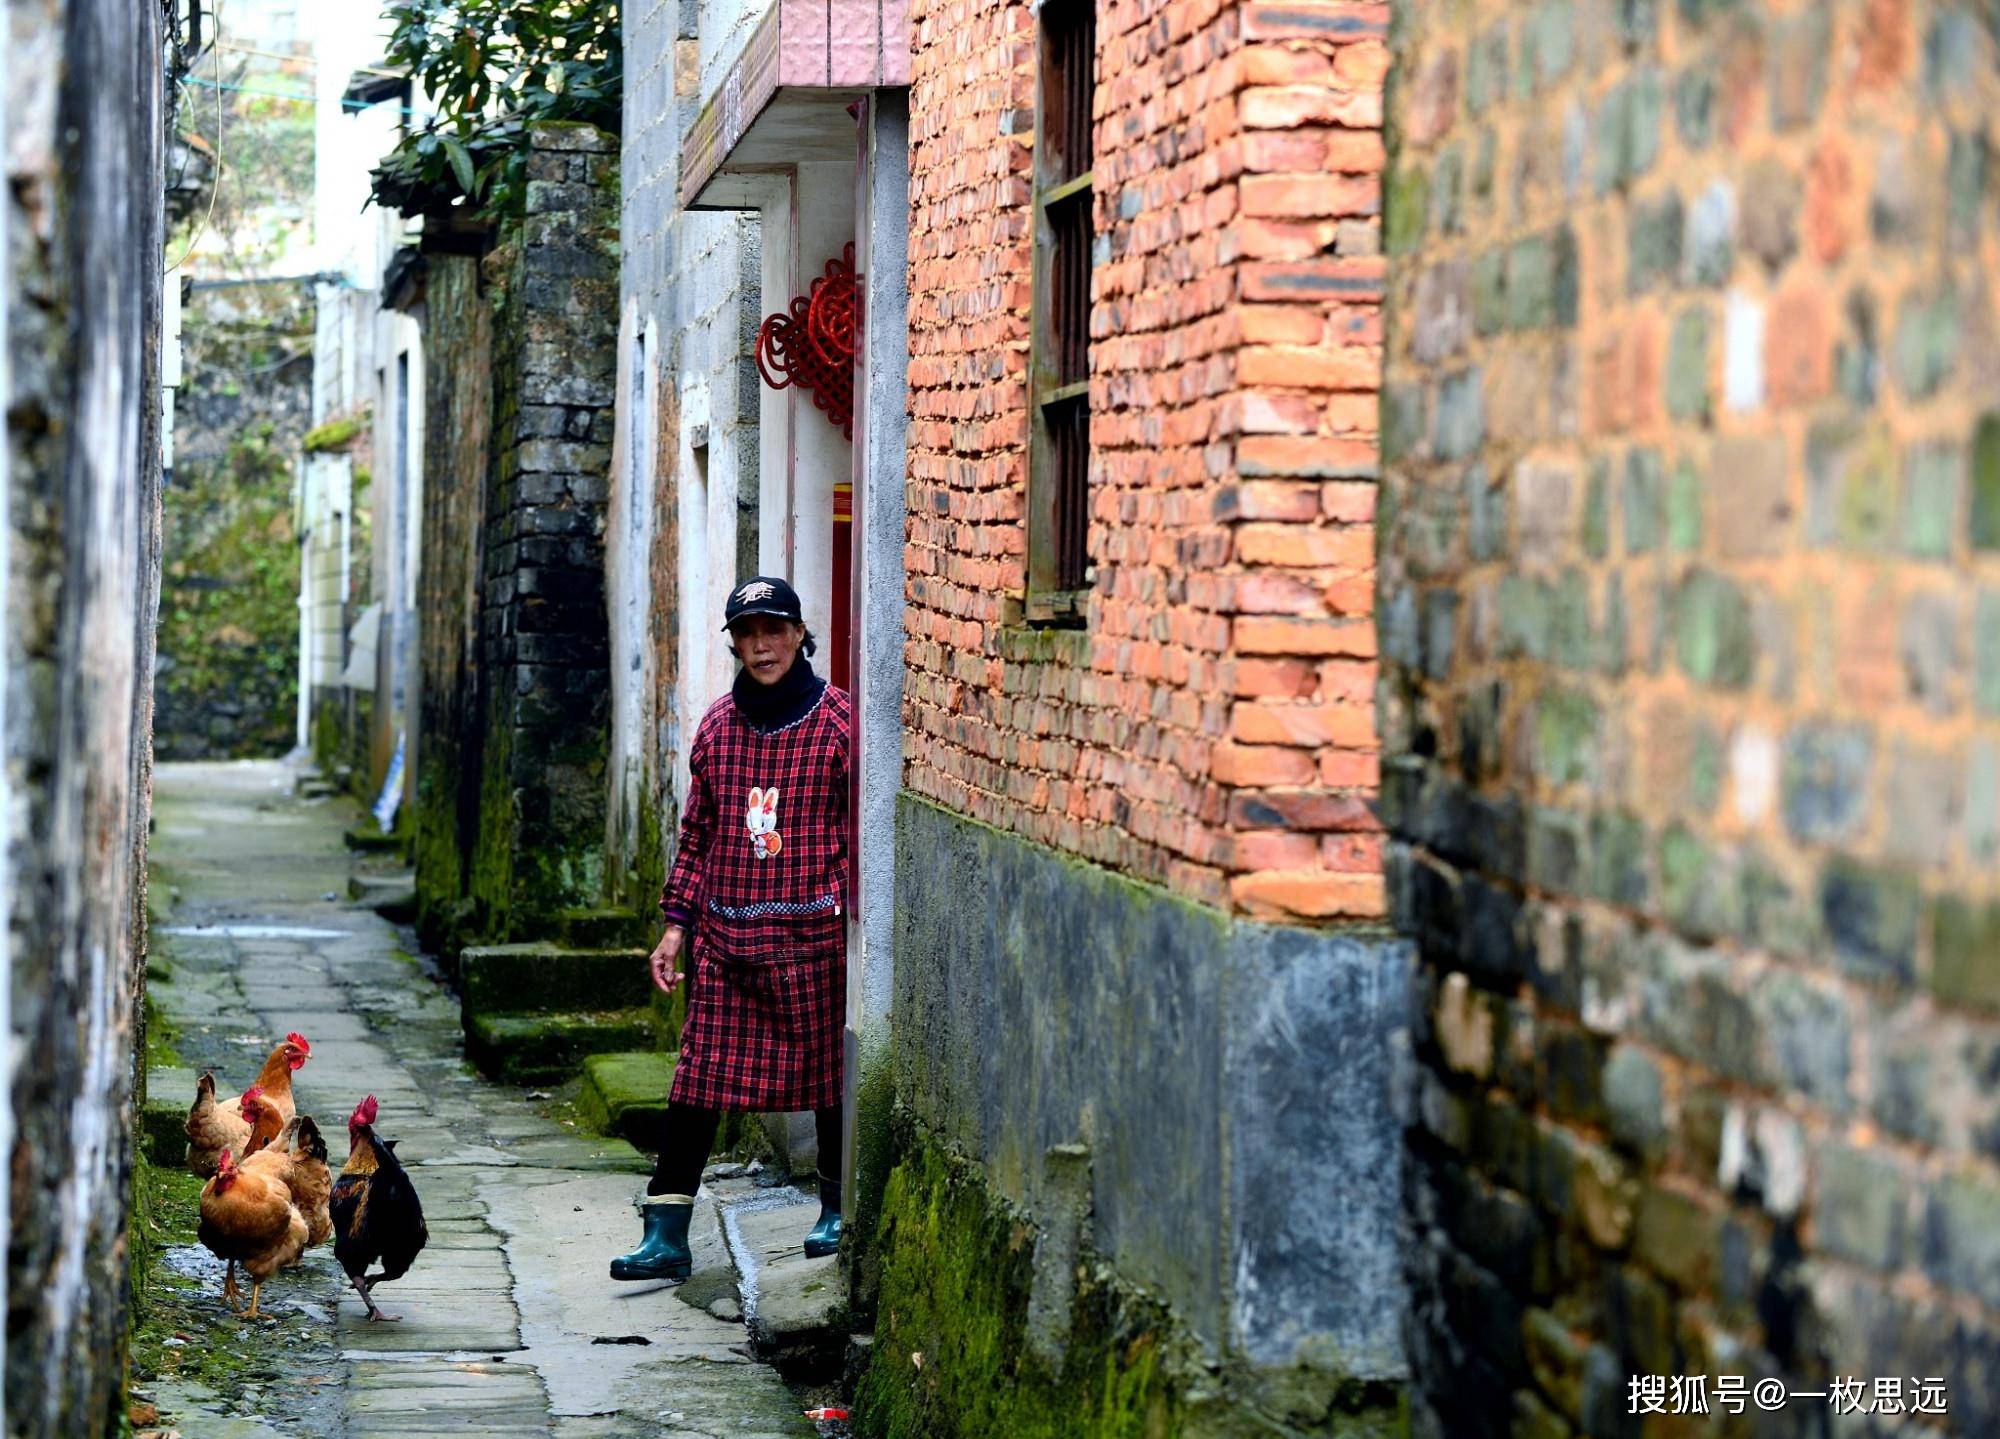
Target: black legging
pixel 688 1134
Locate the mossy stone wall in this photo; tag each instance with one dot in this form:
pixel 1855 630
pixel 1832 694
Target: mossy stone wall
pixel 968 1343
pixel 1201 1102
pixel 226 677
pixel 544 639
pixel 458 425
pixel 510 817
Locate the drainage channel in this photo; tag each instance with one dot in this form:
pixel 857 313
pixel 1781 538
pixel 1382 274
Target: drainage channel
pixel 748 1266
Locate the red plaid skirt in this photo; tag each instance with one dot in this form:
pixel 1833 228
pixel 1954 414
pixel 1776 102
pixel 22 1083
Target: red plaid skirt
pixel 763 1036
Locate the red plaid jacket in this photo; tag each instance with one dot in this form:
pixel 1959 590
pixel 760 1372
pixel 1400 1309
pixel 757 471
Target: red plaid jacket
pixel 761 871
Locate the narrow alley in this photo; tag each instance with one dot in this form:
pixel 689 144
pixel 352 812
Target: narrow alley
pixel 507 1326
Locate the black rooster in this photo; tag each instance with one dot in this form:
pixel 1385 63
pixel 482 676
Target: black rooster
pixel 376 1214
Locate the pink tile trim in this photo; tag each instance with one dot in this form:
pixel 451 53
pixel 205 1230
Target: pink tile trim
pixel 853 42
pixel 802 42
pixel 895 42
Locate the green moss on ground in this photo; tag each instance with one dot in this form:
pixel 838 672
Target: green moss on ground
pixel 626 1093
pixel 180 1328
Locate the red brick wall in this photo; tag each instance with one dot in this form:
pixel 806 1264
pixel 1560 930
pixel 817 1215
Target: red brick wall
pixel 1212 726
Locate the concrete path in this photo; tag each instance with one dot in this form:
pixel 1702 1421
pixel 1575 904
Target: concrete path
pixel 509 1324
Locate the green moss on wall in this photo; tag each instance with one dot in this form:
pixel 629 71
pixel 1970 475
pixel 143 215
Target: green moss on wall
pixel 435 857
pixel 950 1267
pixel 227 679
pixel 334 434
pixel 951 1353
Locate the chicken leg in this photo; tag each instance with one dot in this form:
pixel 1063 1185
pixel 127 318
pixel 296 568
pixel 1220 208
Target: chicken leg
pixel 256 1292
pixel 230 1293
pixel 361 1287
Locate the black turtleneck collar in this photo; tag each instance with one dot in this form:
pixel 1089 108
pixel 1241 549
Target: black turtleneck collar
pixel 774 706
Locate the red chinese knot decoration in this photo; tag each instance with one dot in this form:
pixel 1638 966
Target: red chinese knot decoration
pixel 811 343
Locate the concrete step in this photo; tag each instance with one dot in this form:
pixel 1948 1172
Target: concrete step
pixel 541 1048
pixel 605 929
pixel 550 979
pixel 626 1093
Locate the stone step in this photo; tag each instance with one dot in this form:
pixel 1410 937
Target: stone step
pixel 542 1048
pixel 541 978
pixel 796 1307
pixel 393 896
pixel 605 929
pixel 162 1133
pixel 626 1093
pixel 370 840
pixel 361 886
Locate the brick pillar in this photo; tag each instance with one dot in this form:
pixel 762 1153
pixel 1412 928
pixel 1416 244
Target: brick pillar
pixel 543 639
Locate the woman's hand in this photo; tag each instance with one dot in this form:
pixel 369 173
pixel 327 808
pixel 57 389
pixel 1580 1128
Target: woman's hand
pixel 666 959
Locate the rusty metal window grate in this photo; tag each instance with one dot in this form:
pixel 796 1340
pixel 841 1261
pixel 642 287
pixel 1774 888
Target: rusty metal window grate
pixel 1068 423
pixel 1059 359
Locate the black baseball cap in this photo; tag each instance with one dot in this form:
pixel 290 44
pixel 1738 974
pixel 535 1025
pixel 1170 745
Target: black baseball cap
pixel 763 595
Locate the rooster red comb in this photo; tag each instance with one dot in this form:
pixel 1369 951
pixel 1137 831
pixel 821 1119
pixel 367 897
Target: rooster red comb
pixel 299 1040
pixel 364 1112
pixel 254 1093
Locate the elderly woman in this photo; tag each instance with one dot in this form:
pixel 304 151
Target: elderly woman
pixel 757 896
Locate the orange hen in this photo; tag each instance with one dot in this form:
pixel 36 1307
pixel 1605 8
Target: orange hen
pixel 215 1125
pixel 248 1218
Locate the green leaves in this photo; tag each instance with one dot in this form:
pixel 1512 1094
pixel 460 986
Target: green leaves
pixel 492 68
pixel 461 163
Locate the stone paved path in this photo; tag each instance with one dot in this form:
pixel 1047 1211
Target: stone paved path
pixel 508 1321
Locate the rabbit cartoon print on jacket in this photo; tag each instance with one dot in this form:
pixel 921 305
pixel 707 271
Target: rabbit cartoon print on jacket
pixel 761 818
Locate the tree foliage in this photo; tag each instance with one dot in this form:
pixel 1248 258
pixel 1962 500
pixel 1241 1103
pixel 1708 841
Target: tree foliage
pixel 492 68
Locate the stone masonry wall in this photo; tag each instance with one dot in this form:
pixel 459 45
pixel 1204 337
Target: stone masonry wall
pixel 542 627
pixel 458 423
pixel 81 232
pixel 1690 615
pixel 1212 726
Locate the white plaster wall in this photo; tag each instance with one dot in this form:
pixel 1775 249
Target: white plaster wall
pixel 346 35
pixel 880 513
pixel 629 538
pixel 397 516
pixel 353 340
pixel 821 224
pixel 691 281
pixel 774 489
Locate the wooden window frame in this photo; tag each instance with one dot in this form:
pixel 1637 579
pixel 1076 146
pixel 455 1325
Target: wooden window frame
pixel 1053 598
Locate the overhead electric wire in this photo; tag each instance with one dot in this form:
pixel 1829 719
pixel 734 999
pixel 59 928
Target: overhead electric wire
pixel 351 106
pixel 303 59
pixel 216 187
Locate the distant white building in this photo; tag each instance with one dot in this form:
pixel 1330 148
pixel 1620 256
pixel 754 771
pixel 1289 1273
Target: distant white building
pixel 361 484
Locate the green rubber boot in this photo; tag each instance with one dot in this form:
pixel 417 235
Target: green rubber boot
pixel 663 1253
pixel 825 1235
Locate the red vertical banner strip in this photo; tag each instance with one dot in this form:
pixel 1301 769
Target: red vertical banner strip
pixel 839 666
